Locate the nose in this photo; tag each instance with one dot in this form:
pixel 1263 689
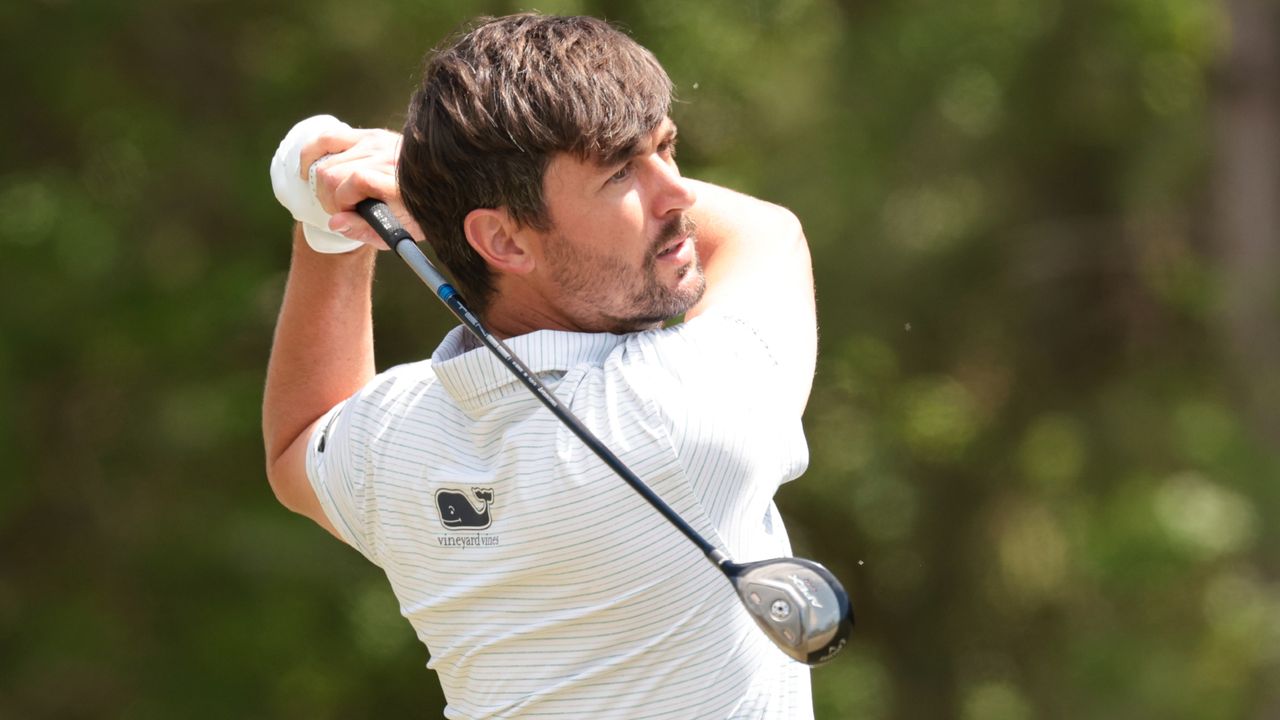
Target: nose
pixel 671 192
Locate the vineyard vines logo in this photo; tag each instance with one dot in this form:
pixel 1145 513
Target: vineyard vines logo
pixel 459 512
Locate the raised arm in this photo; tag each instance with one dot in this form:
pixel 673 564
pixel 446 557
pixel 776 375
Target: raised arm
pixel 756 261
pixel 323 347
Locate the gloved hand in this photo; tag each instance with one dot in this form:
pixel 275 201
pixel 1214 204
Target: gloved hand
pixel 297 194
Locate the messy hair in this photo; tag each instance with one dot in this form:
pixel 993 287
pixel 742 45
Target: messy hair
pixel 497 103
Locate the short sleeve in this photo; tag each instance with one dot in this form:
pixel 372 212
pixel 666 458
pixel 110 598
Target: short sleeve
pixel 726 394
pixel 339 474
pixel 343 448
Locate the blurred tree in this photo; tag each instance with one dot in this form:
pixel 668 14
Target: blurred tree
pixel 1246 224
pixel 1246 187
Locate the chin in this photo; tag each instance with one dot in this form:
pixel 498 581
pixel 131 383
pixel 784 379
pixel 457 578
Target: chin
pixel 656 303
pixel 692 286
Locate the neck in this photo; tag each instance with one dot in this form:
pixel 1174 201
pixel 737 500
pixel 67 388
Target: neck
pixel 519 308
pixel 516 308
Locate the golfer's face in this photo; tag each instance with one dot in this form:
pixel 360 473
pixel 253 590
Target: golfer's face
pixel 621 252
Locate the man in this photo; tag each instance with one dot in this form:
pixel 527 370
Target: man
pixel 538 159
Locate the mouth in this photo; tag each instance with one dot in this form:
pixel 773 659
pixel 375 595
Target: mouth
pixel 674 246
pixel 679 252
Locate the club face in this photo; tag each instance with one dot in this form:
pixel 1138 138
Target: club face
pixel 799 604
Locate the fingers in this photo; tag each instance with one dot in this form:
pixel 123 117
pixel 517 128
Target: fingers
pixel 348 162
pixel 349 166
pixel 350 144
pixel 340 185
pixel 331 142
pixel 351 225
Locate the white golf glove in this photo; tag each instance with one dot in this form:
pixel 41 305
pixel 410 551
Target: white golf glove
pixel 295 193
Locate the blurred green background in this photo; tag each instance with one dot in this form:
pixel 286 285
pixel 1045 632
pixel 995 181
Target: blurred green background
pixel 1045 423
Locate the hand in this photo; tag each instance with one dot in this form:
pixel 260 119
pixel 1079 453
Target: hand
pixel 351 165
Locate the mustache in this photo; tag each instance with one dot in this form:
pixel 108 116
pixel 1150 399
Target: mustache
pixel 674 228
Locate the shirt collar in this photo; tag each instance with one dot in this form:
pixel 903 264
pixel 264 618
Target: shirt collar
pixel 474 378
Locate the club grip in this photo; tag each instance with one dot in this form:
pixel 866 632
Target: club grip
pixel 383 221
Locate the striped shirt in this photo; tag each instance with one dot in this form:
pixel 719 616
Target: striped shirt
pixel 542 584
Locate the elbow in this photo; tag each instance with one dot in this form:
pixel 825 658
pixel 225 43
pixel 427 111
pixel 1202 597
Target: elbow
pixel 789 231
pixel 275 479
pixel 786 222
pixel 286 472
pixel 274 452
pixel 784 218
pixel 778 223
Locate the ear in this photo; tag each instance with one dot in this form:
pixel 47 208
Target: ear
pixel 497 237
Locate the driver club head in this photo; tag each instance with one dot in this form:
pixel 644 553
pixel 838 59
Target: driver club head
pixel 798 603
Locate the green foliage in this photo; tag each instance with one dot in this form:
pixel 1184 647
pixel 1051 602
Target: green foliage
pixel 1030 460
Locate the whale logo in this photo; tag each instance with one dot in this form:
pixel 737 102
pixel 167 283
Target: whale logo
pixel 457 512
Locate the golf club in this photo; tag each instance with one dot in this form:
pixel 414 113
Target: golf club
pixel 798 603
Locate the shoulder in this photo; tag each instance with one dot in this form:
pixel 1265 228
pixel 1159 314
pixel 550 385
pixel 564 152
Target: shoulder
pixel 397 385
pixel 383 402
pixel 721 395
pixel 715 346
pixel 717 365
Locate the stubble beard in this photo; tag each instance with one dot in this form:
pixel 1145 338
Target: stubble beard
pixel 594 283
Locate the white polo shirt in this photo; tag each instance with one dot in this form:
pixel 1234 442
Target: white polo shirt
pixel 541 583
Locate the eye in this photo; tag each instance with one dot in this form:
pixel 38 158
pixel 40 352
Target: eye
pixel 668 148
pixel 623 173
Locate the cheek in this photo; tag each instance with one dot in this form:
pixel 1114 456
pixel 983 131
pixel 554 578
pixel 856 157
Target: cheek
pixel 616 225
pixel 634 221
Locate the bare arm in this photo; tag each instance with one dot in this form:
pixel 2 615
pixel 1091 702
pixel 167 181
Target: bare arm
pixel 756 261
pixel 322 354
pixel 323 348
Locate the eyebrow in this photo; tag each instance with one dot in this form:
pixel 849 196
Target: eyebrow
pixel 668 130
pixel 636 147
pixel 670 135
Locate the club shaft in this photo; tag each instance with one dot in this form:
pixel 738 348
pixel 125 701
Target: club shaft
pixel 384 222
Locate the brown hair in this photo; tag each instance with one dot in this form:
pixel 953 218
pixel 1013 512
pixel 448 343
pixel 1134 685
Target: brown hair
pixel 498 103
